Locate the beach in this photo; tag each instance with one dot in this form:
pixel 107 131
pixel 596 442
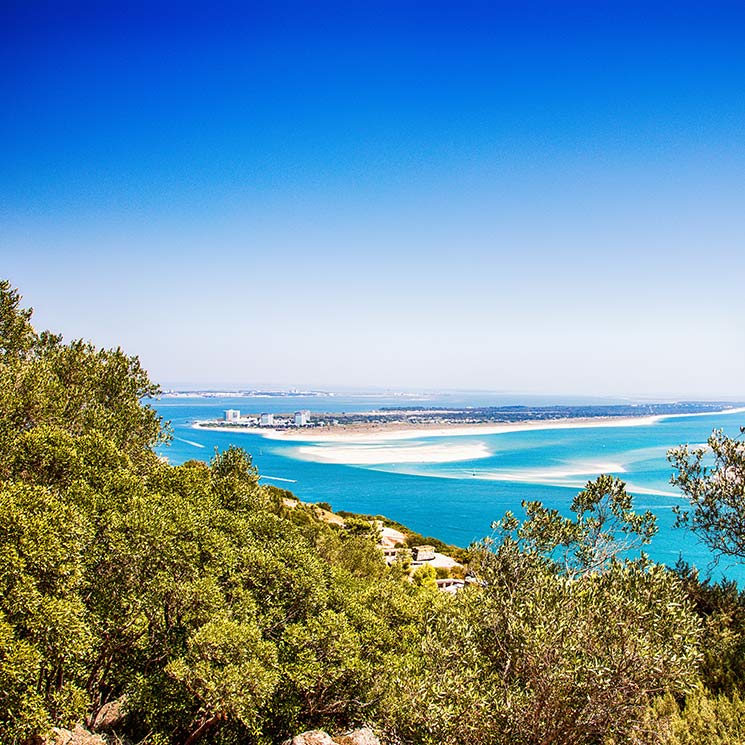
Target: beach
pixel 370 432
pixel 441 479
pixel 400 443
pixel 362 453
pixel 376 432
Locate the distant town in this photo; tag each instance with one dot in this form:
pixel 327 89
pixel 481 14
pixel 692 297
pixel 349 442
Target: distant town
pixel 435 416
pixel 266 419
pixel 292 393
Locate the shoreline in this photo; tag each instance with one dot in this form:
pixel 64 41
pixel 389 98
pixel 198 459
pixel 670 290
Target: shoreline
pixel 372 432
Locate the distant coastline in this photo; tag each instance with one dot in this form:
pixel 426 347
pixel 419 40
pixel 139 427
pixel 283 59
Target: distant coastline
pixel 246 394
pixel 373 431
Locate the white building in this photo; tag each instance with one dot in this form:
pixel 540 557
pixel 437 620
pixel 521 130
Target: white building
pixel 302 418
pixel 450 585
pixel 424 553
pixel 266 420
pixel 232 415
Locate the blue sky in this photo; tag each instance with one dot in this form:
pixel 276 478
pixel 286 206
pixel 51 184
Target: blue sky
pixel 547 197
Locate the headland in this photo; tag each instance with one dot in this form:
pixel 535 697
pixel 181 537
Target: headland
pixel 413 423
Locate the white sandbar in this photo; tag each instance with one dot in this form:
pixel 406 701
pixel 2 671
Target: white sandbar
pixel 378 454
pixel 402 432
pixel 396 431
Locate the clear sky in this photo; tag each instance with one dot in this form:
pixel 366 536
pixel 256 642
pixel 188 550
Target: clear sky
pixel 526 196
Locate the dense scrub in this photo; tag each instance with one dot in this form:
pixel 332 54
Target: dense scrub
pixel 219 610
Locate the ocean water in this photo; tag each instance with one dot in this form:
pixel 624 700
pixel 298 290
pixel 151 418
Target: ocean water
pixel 468 481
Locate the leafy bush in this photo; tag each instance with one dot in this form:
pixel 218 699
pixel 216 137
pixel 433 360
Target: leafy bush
pixel 225 611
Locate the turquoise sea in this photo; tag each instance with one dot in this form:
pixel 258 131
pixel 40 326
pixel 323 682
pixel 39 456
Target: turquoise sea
pixel 469 480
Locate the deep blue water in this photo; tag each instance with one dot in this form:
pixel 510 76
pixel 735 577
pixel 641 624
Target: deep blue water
pixel 457 501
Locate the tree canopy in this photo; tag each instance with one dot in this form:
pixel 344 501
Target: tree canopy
pixel 211 608
pixel 712 478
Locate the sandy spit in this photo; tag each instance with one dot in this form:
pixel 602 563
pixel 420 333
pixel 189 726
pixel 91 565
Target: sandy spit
pixel 375 432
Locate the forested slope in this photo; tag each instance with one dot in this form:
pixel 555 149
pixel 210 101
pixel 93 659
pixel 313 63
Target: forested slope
pixel 212 612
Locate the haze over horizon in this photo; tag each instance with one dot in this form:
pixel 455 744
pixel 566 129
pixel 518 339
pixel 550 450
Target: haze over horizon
pixel 504 196
pixel 487 396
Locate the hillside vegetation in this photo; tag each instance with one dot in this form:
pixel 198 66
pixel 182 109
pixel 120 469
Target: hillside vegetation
pixel 211 611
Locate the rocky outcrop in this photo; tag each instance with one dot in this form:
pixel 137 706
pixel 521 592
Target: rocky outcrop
pixel 312 737
pixel 78 736
pixel 363 736
pixel 109 716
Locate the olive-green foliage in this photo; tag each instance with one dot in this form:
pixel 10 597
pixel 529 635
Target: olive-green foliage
pixel 604 527
pixel 401 566
pixel 45 638
pixel 425 576
pixel 545 650
pixel 721 608
pixel 17 336
pixel 230 670
pixel 704 719
pixel 712 478
pixel 224 611
pixel 221 609
pixel 361 527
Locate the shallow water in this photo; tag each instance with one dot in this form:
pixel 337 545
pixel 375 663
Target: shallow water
pixel 469 480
